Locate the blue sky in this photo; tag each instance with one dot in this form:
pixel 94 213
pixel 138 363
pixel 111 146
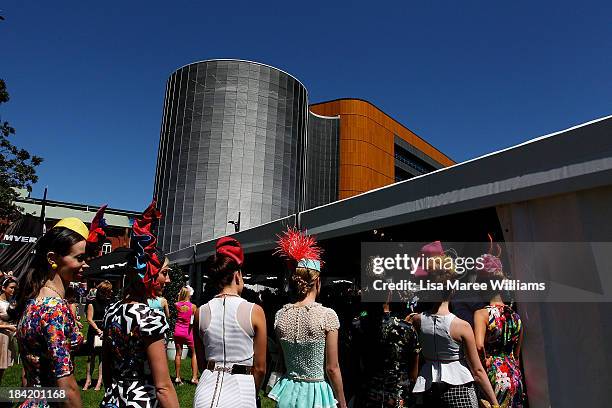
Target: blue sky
pixel 87 79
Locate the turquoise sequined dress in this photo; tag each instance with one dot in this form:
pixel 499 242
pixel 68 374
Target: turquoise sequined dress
pixel 302 330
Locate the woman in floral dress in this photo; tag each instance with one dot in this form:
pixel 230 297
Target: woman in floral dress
pixel 499 333
pixel 47 331
pixel 135 368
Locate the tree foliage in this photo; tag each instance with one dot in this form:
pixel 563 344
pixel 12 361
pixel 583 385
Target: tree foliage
pixel 171 292
pixel 17 166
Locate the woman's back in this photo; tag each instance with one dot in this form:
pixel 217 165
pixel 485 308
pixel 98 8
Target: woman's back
pixel 444 356
pixel 302 330
pixel 503 330
pixel 184 311
pixel 436 339
pixel 227 333
pixel 225 327
pixel 126 327
pixel 99 308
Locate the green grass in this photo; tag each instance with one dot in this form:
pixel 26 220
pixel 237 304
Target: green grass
pixel 92 398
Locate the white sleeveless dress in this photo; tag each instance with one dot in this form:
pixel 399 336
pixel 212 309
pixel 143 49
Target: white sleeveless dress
pixel 227 343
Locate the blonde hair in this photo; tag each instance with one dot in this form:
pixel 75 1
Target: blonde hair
pixel 184 294
pixel 303 280
pixel 442 270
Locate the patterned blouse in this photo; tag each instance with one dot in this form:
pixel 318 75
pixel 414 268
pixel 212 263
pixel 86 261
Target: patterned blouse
pixel 127 327
pixel 47 333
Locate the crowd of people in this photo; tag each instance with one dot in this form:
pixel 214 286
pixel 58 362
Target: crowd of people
pixel 301 353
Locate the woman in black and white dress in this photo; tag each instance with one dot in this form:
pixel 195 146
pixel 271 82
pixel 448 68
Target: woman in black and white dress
pixel 135 368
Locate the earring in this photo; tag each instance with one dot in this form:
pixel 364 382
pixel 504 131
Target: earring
pixel 54 266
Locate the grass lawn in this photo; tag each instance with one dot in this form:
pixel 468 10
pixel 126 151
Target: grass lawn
pixel 91 398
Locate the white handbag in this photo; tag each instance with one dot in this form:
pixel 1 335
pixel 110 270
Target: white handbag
pixel 97 341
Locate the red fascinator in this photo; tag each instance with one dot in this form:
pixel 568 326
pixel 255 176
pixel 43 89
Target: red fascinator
pixel 300 248
pixel 229 246
pixel 96 230
pixel 143 243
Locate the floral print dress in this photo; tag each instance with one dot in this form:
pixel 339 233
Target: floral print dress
pixel 503 333
pixel 127 327
pixel 47 333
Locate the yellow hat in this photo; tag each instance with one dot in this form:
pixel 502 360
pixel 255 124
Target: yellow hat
pixel 74 224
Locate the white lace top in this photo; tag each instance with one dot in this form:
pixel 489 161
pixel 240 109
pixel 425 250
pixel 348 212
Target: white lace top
pixel 302 331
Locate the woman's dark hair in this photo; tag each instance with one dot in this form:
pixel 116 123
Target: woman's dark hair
pixel 93 249
pixel 58 240
pixel 133 282
pixel 70 295
pixel 8 281
pixel 220 270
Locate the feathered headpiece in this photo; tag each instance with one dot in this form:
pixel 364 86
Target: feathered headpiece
pixel 143 243
pixel 96 230
pixel 297 246
pixel 491 264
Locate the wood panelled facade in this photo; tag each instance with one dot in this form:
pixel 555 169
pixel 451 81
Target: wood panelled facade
pixel 367 159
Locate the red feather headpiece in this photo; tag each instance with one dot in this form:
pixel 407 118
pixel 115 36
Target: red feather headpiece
pixel 96 230
pixel 297 246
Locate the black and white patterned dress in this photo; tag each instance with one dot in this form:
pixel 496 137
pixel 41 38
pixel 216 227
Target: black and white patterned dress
pixel 126 327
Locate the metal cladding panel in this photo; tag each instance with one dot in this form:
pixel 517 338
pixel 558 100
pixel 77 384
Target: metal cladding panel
pixel 322 160
pixel 231 141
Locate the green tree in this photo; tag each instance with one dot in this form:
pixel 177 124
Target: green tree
pixel 17 166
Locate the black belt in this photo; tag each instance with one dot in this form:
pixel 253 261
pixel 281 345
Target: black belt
pixel 235 369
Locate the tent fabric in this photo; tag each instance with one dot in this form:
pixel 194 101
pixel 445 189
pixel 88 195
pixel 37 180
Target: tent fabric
pixel 110 266
pixel 21 237
pixel 577 331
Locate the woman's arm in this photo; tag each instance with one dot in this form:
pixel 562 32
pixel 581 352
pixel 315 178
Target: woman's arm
pixel 90 320
pixel 415 320
pixel 164 303
pixel 332 367
pixel 259 345
pixel 8 326
pixel 414 367
pixel 519 344
pixel 198 342
pixel 480 330
pixel 158 361
pixel 478 372
pixel 73 395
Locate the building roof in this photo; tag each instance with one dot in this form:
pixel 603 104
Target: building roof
pixel 61 209
pixel 574 159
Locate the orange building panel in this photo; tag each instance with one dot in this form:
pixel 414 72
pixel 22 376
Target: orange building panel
pixel 367 134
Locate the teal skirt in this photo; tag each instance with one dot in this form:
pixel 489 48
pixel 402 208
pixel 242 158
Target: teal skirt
pixel 302 394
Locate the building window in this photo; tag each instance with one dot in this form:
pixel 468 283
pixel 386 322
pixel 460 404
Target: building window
pixel 401 175
pixel 107 248
pixel 411 160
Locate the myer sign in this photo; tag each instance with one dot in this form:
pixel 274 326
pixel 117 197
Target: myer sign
pixel 113 266
pixel 19 238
